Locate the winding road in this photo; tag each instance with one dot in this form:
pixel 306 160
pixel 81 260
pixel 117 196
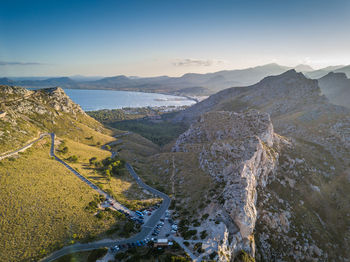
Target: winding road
pixel 116 204
pixel 7 155
pixel 146 229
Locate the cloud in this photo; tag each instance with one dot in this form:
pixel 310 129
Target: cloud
pixel 196 62
pixel 3 63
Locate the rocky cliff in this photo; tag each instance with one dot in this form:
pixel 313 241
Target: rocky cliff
pixel 302 210
pixel 237 151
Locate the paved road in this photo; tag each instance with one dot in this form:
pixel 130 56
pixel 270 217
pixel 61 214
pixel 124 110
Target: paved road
pixel 116 204
pixel 145 230
pixel 24 147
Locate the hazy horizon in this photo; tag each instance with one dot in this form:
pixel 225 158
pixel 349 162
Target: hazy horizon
pixel 154 38
pixel 94 76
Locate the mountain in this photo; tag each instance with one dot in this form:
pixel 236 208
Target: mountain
pixel 294 102
pixel 190 84
pixel 6 81
pixel 303 68
pixel 279 176
pixel 55 81
pixel 41 83
pixel 323 71
pixel 345 69
pixel 336 87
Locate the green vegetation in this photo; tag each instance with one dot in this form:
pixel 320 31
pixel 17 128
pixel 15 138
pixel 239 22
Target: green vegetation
pixel 203 234
pixel 72 159
pixel 160 133
pixel 110 116
pixel 107 173
pixel 244 257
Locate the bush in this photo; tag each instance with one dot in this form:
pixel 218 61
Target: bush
pixel 64 150
pixel 203 234
pixel 205 216
pixel 72 159
pixel 92 160
pixel 244 257
pixel 179 259
pixel 213 255
pixel 188 234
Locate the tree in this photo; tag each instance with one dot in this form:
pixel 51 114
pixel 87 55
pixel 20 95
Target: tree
pixel 108 174
pixel 64 150
pixel 73 159
pixel 92 160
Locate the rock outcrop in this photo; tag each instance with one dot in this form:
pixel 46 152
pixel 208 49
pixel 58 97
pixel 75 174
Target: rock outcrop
pixel 61 102
pixel 237 151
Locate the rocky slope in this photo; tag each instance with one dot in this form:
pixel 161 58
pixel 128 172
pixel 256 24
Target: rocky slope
pixel 296 105
pixel 302 212
pixel 29 113
pixel 237 151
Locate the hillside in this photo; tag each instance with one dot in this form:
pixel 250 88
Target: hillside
pixel 29 113
pixel 336 87
pixel 237 185
pixel 299 171
pixel 44 206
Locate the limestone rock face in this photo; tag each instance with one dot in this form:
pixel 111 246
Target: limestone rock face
pixel 61 102
pixel 235 149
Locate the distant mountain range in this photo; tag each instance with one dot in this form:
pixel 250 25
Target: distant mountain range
pixel 188 84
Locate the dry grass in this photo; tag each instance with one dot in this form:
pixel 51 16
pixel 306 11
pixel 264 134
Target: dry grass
pixel 123 188
pixel 42 206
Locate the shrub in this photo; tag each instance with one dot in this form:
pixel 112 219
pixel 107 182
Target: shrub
pixel 64 150
pixel 244 257
pixel 92 160
pixel 203 234
pixel 213 255
pixel 72 159
pixel 205 216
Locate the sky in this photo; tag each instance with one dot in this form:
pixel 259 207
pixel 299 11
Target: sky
pixel 151 38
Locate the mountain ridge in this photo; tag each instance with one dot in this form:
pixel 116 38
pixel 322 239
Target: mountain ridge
pixel 187 84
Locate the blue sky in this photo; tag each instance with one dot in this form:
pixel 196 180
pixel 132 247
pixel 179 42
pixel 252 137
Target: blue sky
pixel 148 37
